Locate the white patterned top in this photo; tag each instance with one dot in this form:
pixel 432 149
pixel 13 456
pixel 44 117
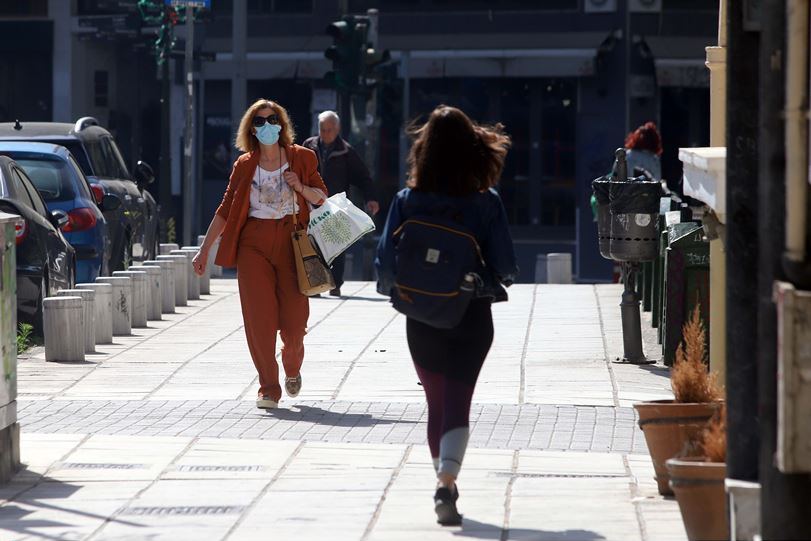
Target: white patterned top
pixel 271 197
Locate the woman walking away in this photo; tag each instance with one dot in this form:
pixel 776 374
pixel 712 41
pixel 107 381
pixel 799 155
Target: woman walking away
pixel 454 165
pixel 270 189
pixel 644 149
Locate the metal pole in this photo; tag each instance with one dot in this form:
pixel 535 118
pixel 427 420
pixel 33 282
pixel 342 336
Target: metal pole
pixel 631 322
pixel 238 84
pixel 188 138
pixel 165 183
pixel 742 248
pixel 406 77
pixel 627 66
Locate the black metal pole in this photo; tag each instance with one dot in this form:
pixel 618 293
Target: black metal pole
pixel 742 247
pixel 784 498
pixel 165 181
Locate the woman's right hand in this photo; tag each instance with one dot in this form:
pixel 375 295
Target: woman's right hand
pixel 199 262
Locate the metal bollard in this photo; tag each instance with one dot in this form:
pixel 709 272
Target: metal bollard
pixel 192 280
pixel 631 322
pixel 122 301
pixel 140 293
pixel 204 283
pixel 153 287
pixel 62 319
pixel 88 314
pixel 181 274
pixel 167 305
pixel 216 270
pixel 103 304
pixel 559 268
pixel 165 248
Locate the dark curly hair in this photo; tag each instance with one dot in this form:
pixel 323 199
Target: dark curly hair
pixel 645 137
pixel 453 155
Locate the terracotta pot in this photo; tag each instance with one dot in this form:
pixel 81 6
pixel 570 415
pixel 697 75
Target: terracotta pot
pixel 699 488
pixel 668 426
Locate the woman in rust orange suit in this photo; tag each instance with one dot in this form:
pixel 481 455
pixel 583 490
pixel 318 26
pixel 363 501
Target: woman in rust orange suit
pixel 270 182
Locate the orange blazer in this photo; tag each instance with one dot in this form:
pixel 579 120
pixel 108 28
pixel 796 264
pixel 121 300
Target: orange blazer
pixel 236 202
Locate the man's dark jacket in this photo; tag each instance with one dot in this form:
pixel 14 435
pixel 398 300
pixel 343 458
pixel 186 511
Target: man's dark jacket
pixel 343 167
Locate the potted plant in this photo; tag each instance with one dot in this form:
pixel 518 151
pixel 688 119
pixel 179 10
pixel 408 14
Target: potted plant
pixel 669 425
pixel 699 484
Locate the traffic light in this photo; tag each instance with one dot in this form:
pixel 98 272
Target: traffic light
pixel 374 61
pixel 346 53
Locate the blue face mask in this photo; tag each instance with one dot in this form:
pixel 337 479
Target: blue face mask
pixel 268 134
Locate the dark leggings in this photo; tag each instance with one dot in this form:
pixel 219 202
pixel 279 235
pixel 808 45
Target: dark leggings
pixel 448 362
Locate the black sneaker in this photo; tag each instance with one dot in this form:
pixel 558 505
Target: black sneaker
pixel 445 507
pixel 335 292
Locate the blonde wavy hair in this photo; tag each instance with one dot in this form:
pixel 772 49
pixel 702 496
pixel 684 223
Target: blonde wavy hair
pixel 246 141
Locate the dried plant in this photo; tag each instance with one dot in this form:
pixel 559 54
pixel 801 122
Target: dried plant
pixel 690 379
pixel 713 442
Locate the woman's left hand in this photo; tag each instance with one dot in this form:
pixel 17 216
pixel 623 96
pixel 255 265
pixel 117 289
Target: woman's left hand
pixel 293 181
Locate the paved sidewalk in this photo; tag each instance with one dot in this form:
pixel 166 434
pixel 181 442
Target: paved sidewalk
pixel 156 436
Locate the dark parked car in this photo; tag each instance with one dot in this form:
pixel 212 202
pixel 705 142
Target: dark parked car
pixel 46 262
pixel 62 184
pixel 134 225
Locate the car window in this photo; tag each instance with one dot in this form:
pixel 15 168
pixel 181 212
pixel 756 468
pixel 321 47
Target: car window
pixel 83 185
pixel 18 189
pixel 38 204
pixel 75 147
pixel 52 177
pixel 117 158
pixel 97 158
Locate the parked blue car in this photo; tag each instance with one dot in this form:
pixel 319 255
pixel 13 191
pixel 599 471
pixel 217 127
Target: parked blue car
pixel 64 187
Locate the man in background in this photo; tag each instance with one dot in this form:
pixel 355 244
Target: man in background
pixel 340 166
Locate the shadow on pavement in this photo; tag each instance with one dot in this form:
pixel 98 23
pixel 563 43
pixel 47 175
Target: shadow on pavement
pixel 657 370
pixel 472 529
pixel 15 518
pixel 316 415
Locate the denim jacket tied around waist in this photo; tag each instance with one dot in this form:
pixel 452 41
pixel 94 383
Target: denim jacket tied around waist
pixel 482 213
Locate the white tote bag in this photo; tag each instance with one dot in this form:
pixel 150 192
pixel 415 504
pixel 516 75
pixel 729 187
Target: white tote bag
pixel 336 225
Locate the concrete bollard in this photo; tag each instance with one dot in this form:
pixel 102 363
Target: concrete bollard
pixel 192 280
pixel 216 270
pixel 167 284
pixel 88 314
pixel 140 293
pixel 122 302
pixel 103 317
pixel 204 280
pixel 153 287
pixel 62 322
pixel 559 268
pixel 181 274
pixel 166 248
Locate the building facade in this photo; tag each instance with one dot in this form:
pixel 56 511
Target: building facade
pixel 567 78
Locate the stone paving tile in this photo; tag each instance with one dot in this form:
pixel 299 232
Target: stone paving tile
pixel 530 426
pixel 208 488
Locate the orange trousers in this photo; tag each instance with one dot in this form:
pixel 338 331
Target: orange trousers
pixel 271 300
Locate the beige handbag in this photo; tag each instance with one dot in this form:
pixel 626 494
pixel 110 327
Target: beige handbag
pixel 314 276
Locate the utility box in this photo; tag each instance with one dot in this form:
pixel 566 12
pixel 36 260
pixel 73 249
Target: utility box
pixel 793 378
pixel 9 428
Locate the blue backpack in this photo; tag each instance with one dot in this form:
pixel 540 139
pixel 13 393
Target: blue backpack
pixel 438 266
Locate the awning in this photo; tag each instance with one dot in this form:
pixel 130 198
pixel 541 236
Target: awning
pixel 546 62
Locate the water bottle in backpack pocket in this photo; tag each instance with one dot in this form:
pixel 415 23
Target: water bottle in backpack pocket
pixel 438 267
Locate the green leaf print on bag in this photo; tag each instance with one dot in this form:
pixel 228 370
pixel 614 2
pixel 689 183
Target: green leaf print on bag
pixel 336 229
